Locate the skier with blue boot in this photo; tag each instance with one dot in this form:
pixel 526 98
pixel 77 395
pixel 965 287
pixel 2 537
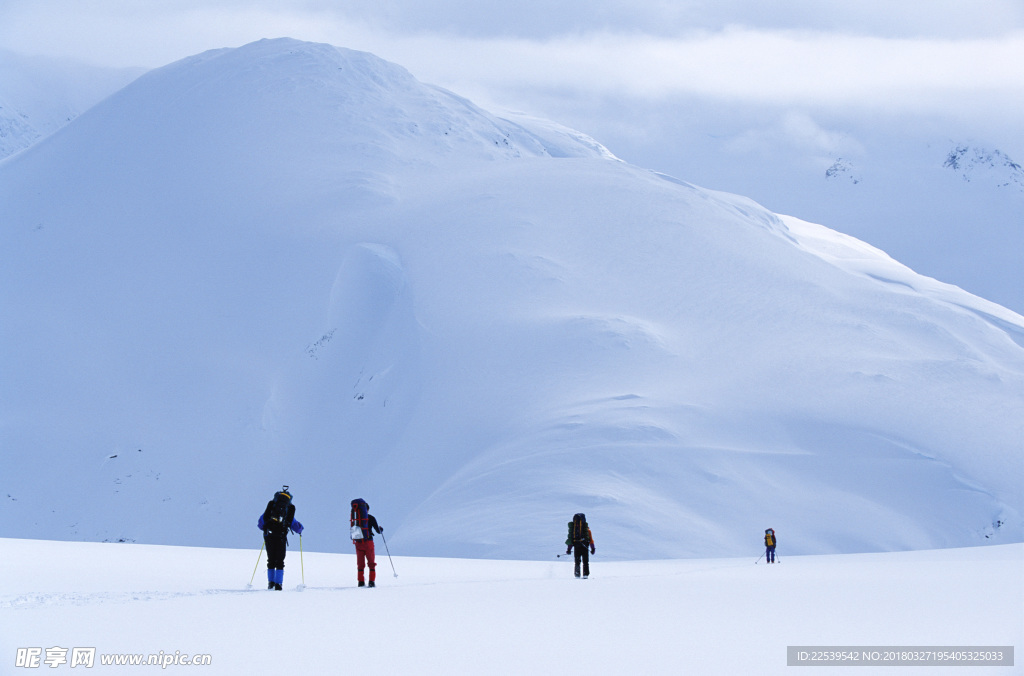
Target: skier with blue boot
pixel 275 522
pixel 770 542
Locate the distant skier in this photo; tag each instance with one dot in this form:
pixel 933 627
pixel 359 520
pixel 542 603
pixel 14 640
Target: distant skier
pixel 769 545
pixel 579 540
pixel 275 522
pixel 361 525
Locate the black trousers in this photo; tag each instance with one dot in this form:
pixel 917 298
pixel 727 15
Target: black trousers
pixel 581 552
pixel 277 546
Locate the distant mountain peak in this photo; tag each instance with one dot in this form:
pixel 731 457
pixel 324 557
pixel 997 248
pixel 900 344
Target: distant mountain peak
pixel 842 169
pixel 973 163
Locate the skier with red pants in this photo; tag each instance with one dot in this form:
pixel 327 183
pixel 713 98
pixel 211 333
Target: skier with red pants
pixel 362 524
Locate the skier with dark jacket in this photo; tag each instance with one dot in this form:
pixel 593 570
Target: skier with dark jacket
pixel 362 524
pixel 579 540
pixel 275 522
pixel 770 541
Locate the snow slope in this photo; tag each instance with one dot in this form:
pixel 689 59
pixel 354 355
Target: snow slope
pixel 292 263
pixel 949 210
pixel 457 616
pixel 940 194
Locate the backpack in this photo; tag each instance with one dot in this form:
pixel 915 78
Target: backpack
pixel 359 520
pixel 278 510
pixel 580 530
pixel 769 537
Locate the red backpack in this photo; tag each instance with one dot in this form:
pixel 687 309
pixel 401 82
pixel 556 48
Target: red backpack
pixel 359 520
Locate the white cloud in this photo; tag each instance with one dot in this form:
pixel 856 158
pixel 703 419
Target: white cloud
pixel 156 32
pixel 751 66
pixel 798 131
pixel 965 66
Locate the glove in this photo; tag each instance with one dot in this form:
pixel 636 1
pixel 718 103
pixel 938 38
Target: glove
pixel 380 529
pixel 568 550
pixel 593 549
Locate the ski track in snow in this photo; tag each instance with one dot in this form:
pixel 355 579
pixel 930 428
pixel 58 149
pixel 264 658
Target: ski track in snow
pixel 558 570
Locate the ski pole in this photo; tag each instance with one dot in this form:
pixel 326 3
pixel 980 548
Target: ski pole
pixel 758 558
pixel 258 557
pixel 302 563
pixel 389 553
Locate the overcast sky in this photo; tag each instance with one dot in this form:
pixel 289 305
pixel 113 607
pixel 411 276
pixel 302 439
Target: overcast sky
pixel 639 75
pixel 865 53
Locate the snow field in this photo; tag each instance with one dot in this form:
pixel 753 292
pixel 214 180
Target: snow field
pixel 458 616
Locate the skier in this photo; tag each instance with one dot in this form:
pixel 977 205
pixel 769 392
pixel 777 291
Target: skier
pixel 580 538
pixel 361 525
pixel 769 545
pixel 275 522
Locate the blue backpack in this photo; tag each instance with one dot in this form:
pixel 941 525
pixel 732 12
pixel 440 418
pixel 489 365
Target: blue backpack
pixel 359 520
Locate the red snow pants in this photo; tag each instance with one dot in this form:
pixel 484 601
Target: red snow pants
pixel 365 557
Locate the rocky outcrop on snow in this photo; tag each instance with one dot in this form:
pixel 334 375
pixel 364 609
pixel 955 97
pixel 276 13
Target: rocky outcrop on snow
pixel 977 164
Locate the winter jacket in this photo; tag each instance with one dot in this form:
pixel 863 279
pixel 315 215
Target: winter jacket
pixel 291 523
pixel 769 538
pixel 371 525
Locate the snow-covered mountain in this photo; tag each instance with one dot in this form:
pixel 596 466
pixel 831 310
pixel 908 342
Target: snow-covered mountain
pixel 843 170
pixel 293 263
pixel 970 162
pixel 40 95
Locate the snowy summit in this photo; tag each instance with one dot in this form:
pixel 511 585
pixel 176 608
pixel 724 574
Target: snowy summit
pixel 294 263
